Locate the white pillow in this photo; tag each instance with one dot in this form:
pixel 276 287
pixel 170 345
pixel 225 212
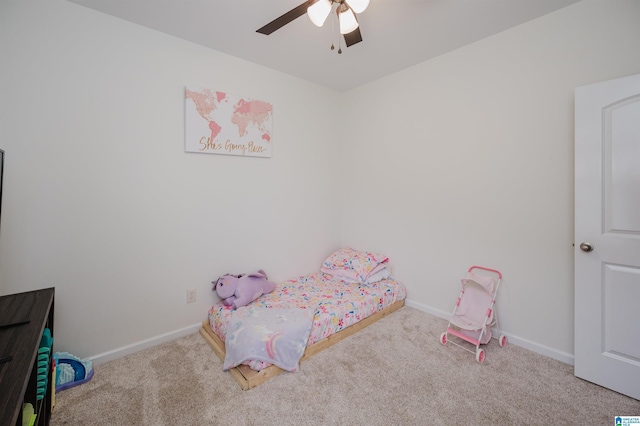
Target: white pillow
pixel 379 276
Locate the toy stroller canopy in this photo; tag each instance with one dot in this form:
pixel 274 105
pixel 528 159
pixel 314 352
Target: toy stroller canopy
pixel 484 281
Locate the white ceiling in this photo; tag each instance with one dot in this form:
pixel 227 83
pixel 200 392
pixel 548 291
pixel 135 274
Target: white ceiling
pixel 396 33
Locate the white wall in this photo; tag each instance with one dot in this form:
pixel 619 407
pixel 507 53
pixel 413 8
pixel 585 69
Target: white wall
pixel 102 202
pixel 468 159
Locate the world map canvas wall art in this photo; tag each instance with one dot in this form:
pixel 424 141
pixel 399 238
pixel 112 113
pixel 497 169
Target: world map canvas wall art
pixel 221 123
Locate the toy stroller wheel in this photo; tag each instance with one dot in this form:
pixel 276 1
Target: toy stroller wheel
pixel 480 355
pixel 443 338
pixel 502 341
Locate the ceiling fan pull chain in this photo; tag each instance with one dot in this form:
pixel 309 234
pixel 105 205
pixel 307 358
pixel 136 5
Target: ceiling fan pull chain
pixel 339 41
pixel 332 47
pixel 339 35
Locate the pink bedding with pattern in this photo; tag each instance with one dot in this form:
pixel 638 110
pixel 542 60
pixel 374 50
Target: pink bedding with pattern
pixel 337 304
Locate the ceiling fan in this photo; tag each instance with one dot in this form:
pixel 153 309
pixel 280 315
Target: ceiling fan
pixel 318 11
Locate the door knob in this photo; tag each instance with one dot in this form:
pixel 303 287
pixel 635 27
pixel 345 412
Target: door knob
pixel 586 247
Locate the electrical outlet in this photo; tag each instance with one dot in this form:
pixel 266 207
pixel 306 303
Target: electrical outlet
pixel 191 295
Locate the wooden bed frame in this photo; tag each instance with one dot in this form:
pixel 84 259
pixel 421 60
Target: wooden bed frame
pixel 248 378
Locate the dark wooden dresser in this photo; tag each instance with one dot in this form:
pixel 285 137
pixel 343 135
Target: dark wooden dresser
pixel 23 320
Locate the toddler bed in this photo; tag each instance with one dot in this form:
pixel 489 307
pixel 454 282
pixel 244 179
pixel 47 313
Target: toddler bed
pixel 352 290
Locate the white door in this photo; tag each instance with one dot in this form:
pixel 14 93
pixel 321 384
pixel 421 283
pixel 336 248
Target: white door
pixel 607 234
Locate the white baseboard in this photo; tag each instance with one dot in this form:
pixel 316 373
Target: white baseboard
pixel 512 339
pixel 428 309
pixel 144 344
pixel 154 341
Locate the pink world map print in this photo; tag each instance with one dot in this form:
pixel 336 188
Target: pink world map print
pixel 220 123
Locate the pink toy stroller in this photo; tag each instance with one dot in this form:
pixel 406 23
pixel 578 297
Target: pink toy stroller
pixel 474 314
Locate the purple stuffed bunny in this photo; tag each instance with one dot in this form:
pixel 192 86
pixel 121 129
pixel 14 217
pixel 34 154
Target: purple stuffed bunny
pixel 239 290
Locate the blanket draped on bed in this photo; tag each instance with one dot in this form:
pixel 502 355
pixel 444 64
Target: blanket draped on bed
pixel 276 336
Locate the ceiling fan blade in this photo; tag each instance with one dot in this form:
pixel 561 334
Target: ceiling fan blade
pixel 283 20
pixel 353 37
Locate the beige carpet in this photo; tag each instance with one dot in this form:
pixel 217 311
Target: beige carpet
pixel 394 372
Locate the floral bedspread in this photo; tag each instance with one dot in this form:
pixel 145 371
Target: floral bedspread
pixel 337 304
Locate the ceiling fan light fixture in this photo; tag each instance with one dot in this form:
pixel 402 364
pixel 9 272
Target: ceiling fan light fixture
pixel 347 18
pixel 358 6
pixel 319 11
